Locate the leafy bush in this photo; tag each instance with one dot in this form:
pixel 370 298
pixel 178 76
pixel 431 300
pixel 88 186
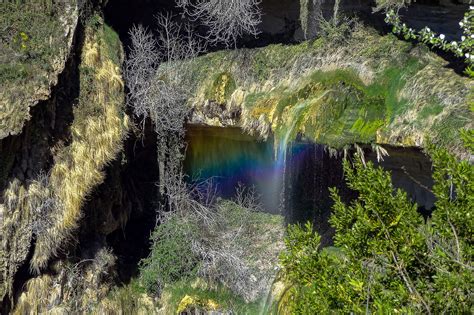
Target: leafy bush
pixel 171 257
pixel 387 260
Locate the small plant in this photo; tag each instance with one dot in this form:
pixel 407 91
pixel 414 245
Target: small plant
pixel 463 48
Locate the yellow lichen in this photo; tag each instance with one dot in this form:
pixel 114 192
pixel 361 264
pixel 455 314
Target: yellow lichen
pixel 189 302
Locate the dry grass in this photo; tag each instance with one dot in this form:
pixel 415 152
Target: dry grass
pixel 97 132
pixel 15 236
pixel 39 295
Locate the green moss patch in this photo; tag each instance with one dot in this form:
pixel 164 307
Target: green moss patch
pixel 222 88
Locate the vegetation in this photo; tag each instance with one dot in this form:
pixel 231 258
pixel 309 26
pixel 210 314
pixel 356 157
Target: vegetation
pixel 222 89
pixel 228 245
pixel 76 286
pixel 171 258
pixel 463 48
pixel 226 20
pixel 348 86
pixel 98 130
pixel 26 48
pixel 127 299
pixel 387 258
pixel 392 4
pixel 34 45
pixel 376 89
pixel 195 294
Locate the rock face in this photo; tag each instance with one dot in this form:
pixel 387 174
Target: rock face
pixel 365 88
pixel 70 141
pixel 33 52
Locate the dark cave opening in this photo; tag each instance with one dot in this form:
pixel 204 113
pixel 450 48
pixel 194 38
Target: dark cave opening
pixel 121 213
pixel 131 243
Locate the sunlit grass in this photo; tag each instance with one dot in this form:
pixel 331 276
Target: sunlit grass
pixel 97 134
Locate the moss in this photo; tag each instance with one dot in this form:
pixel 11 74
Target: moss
pixel 113 44
pixel 378 89
pixel 31 37
pixel 35 42
pixel 334 107
pixel 275 57
pixel 430 111
pixel 222 88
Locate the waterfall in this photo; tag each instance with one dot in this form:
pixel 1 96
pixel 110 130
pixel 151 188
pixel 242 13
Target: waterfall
pixel 281 152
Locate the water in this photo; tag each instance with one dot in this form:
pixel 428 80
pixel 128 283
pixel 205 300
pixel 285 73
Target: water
pixel 230 158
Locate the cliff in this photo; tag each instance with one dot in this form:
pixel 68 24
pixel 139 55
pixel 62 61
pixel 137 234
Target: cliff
pixel 40 211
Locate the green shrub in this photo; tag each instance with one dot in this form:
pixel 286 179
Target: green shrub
pixel 171 258
pixel 229 244
pixel 387 260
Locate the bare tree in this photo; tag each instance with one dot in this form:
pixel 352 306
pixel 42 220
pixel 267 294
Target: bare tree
pixel 140 69
pixel 226 20
pixel 156 74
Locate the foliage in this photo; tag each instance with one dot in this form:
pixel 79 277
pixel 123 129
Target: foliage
pixel 227 244
pixel 187 293
pixel 171 257
pixel 463 48
pixel 128 299
pixel 388 259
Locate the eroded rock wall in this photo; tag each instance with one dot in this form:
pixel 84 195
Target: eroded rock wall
pixel 364 88
pixel 35 46
pixel 58 160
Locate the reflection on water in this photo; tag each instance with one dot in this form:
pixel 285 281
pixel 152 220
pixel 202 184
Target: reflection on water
pixel 230 157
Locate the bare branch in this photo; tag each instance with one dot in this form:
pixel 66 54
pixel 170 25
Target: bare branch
pixel 226 20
